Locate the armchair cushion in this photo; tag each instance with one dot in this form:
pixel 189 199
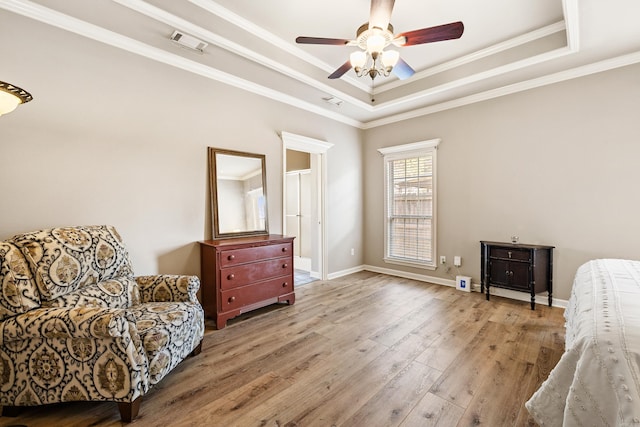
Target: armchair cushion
pixel 66 259
pixel 120 292
pixel 18 293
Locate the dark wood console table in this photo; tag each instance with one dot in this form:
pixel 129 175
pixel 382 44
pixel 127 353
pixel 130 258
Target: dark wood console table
pixel 245 273
pixel 519 267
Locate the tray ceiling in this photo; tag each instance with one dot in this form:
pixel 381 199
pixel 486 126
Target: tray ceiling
pixel 507 46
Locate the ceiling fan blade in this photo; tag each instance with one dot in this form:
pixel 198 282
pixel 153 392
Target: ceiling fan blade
pixel 321 40
pixel 380 14
pixel 450 31
pixel 340 71
pixel 403 70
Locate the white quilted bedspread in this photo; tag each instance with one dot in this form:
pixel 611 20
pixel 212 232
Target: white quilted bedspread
pixel 597 380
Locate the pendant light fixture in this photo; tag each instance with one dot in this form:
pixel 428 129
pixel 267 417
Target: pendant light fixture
pixel 11 96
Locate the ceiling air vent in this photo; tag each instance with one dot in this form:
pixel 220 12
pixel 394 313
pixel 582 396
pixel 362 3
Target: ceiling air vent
pixel 190 42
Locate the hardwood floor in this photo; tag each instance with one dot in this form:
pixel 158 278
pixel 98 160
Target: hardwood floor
pixel 363 350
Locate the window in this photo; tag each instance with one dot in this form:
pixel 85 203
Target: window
pixel 410 201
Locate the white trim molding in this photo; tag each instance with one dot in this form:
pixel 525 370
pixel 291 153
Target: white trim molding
pixel 413 146
pixel 304 143
pixel 475 287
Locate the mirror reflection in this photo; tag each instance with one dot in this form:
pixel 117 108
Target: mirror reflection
pixel 239 196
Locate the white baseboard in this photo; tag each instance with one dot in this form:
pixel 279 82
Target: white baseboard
pixel 475 287
pixel 346 272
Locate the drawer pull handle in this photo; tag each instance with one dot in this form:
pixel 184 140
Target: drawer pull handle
pixel 284 266
pixel 231 277
pixel 284 249
pixel 510 254
pixel 284 285
pixel 231 299
pixel 231 257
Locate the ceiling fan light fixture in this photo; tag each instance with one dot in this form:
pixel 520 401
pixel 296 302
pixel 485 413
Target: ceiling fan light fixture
pixel 358 59
pixel 11 96
pixel 374 36
pixel 390 58
pixel 376 42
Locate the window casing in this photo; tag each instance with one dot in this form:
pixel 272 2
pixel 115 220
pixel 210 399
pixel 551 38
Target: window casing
pixel 410 204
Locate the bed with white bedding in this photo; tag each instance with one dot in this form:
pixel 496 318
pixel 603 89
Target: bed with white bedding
pixel 597 380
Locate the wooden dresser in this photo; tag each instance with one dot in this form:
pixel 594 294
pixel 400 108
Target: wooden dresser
pixel 519 267
pixel 242 274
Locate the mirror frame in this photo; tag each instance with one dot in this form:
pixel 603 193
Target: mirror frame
pixel 213 185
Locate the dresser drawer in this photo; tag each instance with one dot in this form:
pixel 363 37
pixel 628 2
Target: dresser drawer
pixel 246 274
pixel 246 295
pixel 510 253
pixel 244 255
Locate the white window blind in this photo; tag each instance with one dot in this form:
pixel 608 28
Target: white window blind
pixel 410 203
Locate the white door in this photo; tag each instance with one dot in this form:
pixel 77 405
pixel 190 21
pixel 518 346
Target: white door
pixel 298 216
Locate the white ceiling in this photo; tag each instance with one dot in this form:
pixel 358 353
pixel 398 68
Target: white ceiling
pixel 507 46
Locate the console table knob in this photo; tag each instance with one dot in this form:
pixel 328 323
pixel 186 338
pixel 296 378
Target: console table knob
pixel 231 277
pixel 284 265
pixel 284 249
pixel 231 299
pixel 231 257
pixel 284 285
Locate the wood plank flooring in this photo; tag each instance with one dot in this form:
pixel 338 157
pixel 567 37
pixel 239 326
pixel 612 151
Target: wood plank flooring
pixel 362 350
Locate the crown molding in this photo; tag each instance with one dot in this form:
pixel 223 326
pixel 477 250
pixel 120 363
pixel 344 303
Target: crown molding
pixel 585 70
pixel 51 17
pixel 480 54
pixel 224 13
pixel 572 19
pixel 94 32
pixel 514 66
pixel 169 19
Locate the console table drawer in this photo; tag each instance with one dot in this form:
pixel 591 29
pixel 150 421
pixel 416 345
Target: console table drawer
pixel 246 295
pixel 241 256
pixel 510 253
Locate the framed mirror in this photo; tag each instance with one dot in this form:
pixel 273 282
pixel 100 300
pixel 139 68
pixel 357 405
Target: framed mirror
pixel 238 183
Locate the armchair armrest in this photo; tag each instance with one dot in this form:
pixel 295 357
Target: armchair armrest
pixel 76 322
pixel 168 287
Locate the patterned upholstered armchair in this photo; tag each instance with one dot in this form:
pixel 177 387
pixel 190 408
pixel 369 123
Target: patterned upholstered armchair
pixel 75 324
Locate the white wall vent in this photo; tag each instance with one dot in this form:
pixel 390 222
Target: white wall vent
pixel 190 42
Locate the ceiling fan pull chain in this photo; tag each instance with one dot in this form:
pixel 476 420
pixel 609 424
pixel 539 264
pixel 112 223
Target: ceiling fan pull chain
pixel 372 91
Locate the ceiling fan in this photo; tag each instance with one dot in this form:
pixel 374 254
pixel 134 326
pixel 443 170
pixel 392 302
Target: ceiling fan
pixel 373 36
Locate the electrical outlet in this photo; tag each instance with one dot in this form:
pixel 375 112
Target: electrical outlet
pixel 457 261
pixel 443 259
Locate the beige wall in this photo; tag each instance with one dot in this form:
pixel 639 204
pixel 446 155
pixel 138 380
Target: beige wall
pixel 113 138
pixel 556 165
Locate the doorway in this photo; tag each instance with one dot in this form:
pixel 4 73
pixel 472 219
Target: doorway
pixel 298 216
pixel 304 187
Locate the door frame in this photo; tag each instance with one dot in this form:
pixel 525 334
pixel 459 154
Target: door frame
pixel 317 149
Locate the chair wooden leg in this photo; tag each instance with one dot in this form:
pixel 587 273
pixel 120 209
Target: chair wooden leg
pixel 196 351
pixel 129 410
pixel 11 411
